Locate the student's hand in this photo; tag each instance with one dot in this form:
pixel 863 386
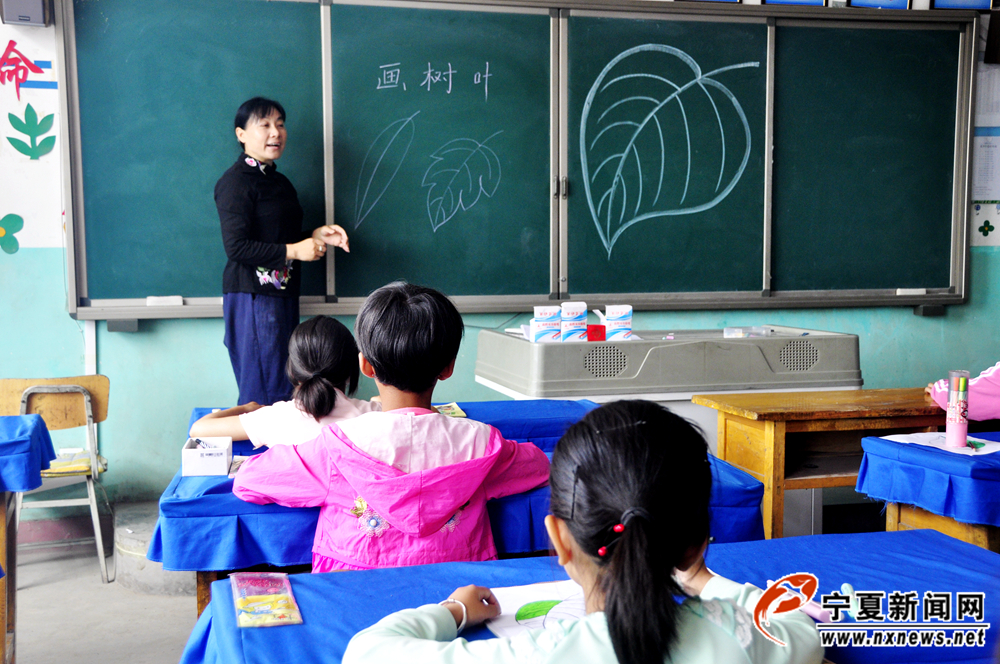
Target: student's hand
pixel 929 390
pixel 309 249
pixel 479 601
pixel 332 234
pixel 248 407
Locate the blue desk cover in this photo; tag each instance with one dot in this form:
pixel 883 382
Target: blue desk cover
pixel 338 605
pixel 965 488
pixel 196 510
pixel 25 451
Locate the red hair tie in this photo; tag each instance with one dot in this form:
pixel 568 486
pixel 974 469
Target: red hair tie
pixel 602 551
pixel 619 528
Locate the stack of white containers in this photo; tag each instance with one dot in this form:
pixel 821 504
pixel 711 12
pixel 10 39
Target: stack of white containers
pixel 568 323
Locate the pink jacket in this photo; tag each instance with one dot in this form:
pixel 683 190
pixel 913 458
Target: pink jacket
pixel 407 487
pixel 984 394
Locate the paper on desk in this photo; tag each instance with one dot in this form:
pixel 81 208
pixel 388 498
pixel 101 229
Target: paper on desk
pixel 938 440
pixel 529 607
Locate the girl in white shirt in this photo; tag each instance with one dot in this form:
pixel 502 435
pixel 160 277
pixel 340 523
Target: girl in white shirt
pixel 630 489
pixel 323 368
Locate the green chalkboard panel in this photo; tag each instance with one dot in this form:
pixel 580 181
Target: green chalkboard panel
pixel 441 149
pixel 864 155
pixel 666 125
pixel 160 82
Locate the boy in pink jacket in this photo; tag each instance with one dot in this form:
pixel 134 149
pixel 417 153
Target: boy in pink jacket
pixel 405 486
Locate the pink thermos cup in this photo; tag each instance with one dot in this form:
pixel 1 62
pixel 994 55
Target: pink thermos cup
pixel 957 420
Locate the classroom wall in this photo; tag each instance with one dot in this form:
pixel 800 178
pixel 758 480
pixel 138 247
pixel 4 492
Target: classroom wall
pixel 171 366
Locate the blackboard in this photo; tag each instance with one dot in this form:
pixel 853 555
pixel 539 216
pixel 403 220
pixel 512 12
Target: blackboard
pixel 441 149
pixel 670 117
pixel 715 156
pixel 159 84
pixel 863 181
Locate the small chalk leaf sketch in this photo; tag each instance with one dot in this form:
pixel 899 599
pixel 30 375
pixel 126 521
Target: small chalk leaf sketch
pixel 381 163
pixel 462 171
pixel 657 137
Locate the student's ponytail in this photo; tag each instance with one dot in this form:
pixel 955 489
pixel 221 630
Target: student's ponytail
pixel 632 482
pixel 322 355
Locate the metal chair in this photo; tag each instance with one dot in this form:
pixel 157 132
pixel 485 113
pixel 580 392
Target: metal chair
pixel 65 403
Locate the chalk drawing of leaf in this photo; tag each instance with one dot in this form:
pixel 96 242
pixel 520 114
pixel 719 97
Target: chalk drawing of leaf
pixel 462 171
pixel 656 139
pixel 381 163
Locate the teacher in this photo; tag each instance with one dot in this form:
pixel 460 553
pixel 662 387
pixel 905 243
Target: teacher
pixel 263 237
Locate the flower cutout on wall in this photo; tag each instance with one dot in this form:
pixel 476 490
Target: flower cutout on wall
pixel 9 225
pixel 987 228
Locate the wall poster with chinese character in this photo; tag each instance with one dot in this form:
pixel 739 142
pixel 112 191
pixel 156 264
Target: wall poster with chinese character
pixel 441 148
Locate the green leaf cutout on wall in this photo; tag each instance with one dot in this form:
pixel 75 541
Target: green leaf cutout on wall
pixel 9 225
pixel 32 128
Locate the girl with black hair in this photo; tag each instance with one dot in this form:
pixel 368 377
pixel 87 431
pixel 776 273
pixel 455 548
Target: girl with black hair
pixel 323 367
pixel 629 523
pixel 262 234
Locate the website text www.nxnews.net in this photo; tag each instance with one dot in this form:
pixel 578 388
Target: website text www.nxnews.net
pixel 934 635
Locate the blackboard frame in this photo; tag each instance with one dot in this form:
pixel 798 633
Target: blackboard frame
pixel 82 308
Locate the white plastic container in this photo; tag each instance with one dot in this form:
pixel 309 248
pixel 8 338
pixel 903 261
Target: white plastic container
pixel 574 322
pixel 618 322
pixel 207 456
pixel 545 331
pixel 548 313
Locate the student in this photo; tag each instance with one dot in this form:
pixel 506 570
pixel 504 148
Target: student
pixel 630 489
pixel 262 234
pixel 984 394
pixel 405 486
pixel 323 367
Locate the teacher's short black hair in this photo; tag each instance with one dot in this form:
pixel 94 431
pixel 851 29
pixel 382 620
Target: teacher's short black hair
pixel 258 107
pixel 409 334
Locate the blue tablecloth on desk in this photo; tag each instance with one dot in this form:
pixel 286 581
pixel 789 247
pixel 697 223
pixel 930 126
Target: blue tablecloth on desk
pixel 197 510
pixel 336 606
pixel 25 451
pixel 965 488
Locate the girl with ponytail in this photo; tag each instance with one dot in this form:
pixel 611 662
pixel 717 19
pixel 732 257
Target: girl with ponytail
pixel 323 368
pixel 629 522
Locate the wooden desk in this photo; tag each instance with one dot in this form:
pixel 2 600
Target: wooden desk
pixel 811 440
pixel 911 517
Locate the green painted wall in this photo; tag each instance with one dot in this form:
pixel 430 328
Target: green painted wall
pixel 169 367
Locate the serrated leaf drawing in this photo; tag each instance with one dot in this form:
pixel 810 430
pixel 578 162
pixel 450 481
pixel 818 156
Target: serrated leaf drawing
pixel 32 128
pixel 380 165
pixel 462 171
pixel 639 148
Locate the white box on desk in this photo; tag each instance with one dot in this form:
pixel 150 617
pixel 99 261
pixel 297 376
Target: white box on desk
pixel 212 456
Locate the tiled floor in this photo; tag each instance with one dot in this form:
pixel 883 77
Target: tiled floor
pixel 65 615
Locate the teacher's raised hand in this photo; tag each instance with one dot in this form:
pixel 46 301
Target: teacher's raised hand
pixel 333 235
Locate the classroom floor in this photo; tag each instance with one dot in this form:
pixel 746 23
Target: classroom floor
pixel 66 615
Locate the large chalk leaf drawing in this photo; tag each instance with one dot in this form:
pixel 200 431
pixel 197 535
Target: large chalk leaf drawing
pixel 381 163
pixel 656 139
pixel 461 172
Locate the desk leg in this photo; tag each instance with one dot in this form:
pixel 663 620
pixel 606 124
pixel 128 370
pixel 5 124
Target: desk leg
pixel 891 517
pixel 759 449
pixel 204 585
pixel 774 479
pixel 8 584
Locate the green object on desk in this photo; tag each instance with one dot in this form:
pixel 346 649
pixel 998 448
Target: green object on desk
pixel 975 444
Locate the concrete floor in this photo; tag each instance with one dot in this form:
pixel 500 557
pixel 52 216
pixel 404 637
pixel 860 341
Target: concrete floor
pixel 65 614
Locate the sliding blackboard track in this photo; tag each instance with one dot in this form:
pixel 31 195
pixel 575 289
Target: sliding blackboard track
pixel 671 155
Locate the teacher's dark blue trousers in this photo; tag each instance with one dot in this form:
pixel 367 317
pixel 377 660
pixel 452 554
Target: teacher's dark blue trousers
pixel 257 331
